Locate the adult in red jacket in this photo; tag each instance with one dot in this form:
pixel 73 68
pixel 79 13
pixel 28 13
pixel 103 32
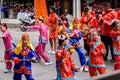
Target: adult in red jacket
pixel 88 18
pixel 105 28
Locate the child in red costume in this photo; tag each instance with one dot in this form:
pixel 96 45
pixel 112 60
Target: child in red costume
pixel 97 50
pixel 115 34
pixel 96 61
pixel 64 63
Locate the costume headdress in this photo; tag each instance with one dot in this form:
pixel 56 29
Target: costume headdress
pixel 18 48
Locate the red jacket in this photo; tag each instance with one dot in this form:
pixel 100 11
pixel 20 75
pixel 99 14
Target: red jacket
pixel 91 21
pixel 105 27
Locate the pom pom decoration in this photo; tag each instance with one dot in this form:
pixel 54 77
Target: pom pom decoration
pixel 16 60
pixel 75 20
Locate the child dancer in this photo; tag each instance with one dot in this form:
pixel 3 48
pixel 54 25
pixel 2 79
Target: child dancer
pixel 23 51
pixel 97 50
pixel 115 34
pixel 75 38
pixel 43 40
pixel 9 46
pixel 65 66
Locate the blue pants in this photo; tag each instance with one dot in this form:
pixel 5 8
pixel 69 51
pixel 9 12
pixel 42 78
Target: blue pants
pixel 18 76
pixel 81 56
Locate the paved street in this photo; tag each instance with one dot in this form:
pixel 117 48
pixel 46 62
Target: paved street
pixel 40 72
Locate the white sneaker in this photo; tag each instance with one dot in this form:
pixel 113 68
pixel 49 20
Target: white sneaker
pixel 7 70
pixel 81 68
pixel 53 52
pixel 47 63
pixel 85 69
pixel 55 78
pixel 49 52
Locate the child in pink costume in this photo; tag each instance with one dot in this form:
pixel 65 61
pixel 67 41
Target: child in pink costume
pixel 43 40
pixel 9 46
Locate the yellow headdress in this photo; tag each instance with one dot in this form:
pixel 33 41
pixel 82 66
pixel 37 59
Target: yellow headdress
pixel 18 48
pixel 75 20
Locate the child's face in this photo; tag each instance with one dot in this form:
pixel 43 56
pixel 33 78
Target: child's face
pixel 2 28
pixel 25 41
pixel 95 36
pixel 75 24
pixel 40 21
pixel 85 30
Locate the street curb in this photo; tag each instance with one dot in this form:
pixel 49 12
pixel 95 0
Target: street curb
pixel 11 23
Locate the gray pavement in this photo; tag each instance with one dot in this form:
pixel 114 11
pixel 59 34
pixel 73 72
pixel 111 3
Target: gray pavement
pixel 41 72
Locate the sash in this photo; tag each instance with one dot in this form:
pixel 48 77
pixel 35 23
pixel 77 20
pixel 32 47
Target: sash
pixel 95 45
pixel 95 66
pixel 43 40
pixel 115 52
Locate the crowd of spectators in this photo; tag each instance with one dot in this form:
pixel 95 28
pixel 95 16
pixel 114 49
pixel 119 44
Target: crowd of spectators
pixel 11 9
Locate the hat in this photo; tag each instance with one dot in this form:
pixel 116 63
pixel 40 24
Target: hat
pixel 25 35
pixel 3 24
pixel 75 20
pixel 41 18
pixel 62 37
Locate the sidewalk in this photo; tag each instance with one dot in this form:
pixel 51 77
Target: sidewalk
pixel 12 23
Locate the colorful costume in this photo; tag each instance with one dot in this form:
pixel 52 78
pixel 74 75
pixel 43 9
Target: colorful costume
pixel 65 66
pixel 53 18
pixel 23 67
pixel 43 40
pixel 9 46
pixel 105 30
pixel 116 48
pixel 96 61
pixel 80 51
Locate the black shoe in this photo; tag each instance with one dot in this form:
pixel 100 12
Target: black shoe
pixel 105 59
pixel 112 60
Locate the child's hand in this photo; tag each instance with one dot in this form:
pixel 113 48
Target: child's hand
pixel 33 59
pixel 79 46
pixel 74 45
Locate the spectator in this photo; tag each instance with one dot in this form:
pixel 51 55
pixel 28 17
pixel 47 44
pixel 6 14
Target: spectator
pixel 105 28
pixel 5 9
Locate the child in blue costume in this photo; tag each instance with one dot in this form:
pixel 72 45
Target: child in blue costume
pixel 74 41
pixel 24 54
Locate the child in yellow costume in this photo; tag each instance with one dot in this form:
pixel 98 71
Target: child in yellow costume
pixel 74 22
pixel 63 31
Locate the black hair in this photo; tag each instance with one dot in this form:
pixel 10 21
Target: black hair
pixel 53 8
pixel 60 42
pixel 41 19
pixel 105 4
pixel 84 5
pixel 86 10
pixel 114 24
